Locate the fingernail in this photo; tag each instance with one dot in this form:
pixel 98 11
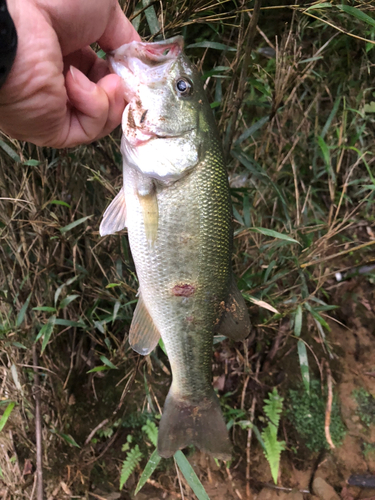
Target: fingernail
pixel 82 80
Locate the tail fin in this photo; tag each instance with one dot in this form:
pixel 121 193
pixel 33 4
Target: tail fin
pixel 201 424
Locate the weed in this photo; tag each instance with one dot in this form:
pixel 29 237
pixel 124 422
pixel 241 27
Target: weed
pixel 272 408
pixel 133 457
pixel 368 449
pixel 307 414
pixel 366 406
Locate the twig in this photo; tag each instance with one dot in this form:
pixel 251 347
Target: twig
pixel 96 496
pixel 38 428
pixel 179 480
pixel 243 77
pixel 248 444
pixel 92 433
pixel 281 488
pixel 155 484
pixel 339 254
pixel 34 486
pixel 127 387
pixel 328 408
pixel 109 444
pixel 249 436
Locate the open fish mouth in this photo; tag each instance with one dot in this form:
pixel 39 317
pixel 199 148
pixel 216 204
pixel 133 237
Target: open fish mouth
pixel 143 63
pixel 150 53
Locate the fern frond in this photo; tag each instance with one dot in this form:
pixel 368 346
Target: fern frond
pixel 273 407
pixel 151 431
pixel 133 457
pixel 273 448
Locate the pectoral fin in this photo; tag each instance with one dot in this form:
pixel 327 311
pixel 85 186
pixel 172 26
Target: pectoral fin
pixel 143 334
pixel 234 322
pixel 114 218
pixel 149 205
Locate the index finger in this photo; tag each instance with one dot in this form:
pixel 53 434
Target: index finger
pixel 119 31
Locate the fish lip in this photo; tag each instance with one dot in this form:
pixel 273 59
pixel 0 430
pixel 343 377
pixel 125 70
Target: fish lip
pixel 154 135
pixel 152 62
pixel 137 142
pixel 150 51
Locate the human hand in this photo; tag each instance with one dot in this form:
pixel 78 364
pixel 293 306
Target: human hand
pixel 59 93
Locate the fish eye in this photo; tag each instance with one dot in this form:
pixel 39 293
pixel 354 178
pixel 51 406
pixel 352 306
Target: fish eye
pixel 184 86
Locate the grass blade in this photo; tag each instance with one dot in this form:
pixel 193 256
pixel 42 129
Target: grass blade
pixel 274 234
pixel 48 332
pixel 22 313
pixel 323 5
pixel 262 303
pixel 317 316
pixel 6 414
pixel 69 322
pixel 108 363
pixel 298 322
pixel 148 470
pixel 45 309
pixel 59 202
pixel 65 302
pixel 361 16
pixel 304 364
pixel 151 17
pixel 74 224
pixel 162 346
pixel 10 152
pixel 331 117
pixel 211 45
pixel 251 130
pixel 190 476
pixel 66 437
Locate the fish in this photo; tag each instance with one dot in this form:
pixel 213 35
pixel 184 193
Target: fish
pixel 175 203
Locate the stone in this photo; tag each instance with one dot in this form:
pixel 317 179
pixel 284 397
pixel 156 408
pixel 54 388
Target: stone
pixel 271 494
pixel 323 490
pixel 294 495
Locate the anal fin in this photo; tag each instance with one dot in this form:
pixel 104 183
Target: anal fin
pixel 143 334
pixel 114 218
pixel 235 321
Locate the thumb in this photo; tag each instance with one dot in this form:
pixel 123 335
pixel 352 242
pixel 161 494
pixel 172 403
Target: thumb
pixel 94 109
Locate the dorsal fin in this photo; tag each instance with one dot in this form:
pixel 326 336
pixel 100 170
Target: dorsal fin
pixel 114 218
pixel 143 334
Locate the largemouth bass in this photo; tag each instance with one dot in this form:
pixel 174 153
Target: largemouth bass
pixel 176 206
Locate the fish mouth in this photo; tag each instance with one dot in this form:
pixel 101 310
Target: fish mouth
pixel 150 53
pixel 144 63
pixel 143 137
